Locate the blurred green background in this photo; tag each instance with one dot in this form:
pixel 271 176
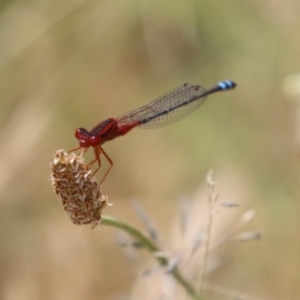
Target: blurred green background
pixel 70 64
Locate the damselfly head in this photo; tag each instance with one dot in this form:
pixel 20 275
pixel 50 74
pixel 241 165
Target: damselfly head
pixel 82 135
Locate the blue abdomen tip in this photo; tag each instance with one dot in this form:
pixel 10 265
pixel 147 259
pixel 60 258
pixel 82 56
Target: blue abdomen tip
pixel 227 84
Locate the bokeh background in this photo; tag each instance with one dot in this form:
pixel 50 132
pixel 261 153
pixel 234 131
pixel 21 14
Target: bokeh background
pixel 69 64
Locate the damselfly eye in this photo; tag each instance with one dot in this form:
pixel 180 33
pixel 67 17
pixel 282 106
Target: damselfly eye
pixel 82 136
pixel 81 133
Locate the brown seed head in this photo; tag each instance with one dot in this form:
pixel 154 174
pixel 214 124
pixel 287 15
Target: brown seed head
pixel 76 188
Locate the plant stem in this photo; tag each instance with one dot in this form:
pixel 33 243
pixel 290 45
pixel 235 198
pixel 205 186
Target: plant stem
pixel 149 245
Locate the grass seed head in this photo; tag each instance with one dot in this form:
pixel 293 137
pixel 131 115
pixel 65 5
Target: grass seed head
pixel 76 189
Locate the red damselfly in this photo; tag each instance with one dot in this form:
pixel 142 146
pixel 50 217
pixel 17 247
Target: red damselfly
pixel 169 108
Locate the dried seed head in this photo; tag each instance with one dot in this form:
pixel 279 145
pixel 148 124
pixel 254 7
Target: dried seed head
pixel 76 189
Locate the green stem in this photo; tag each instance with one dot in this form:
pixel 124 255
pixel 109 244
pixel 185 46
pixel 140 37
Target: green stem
pixel 148 244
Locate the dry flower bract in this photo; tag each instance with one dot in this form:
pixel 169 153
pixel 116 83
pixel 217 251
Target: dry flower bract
pixel 76 188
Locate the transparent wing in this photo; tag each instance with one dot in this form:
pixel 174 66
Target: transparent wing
pixel 171 107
